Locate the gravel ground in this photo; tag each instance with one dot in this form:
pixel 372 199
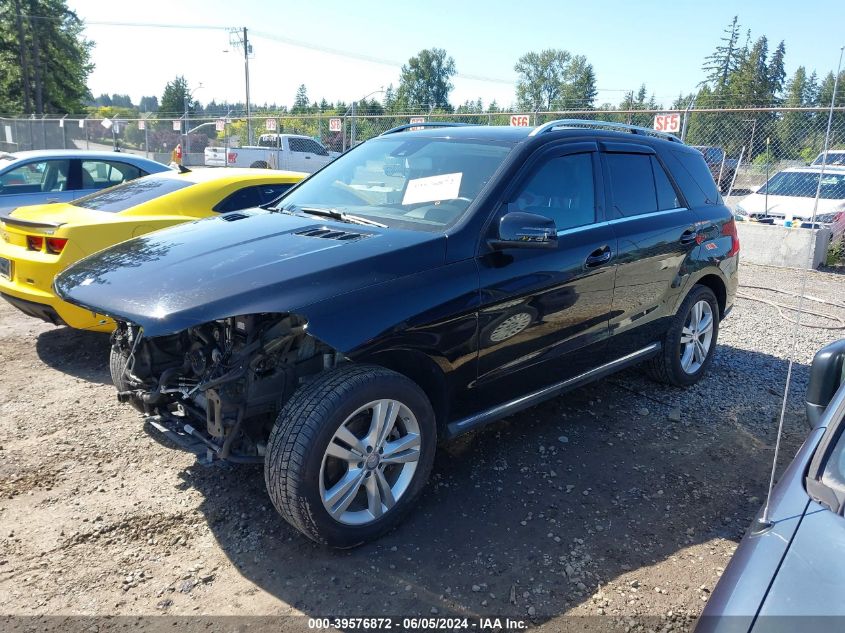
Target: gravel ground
pixel 624 499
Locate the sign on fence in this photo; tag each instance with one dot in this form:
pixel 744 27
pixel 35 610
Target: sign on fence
pixel 142 125
pixel 220 125
pixel 177 126
pixel 270 125
pixel 106 123
pixel 667 122
pixel 335 125
pixel 416 119
pixel 520 120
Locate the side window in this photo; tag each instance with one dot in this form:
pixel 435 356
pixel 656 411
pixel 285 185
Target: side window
pixel 98 174
pixel 314 147
pixel 269 193
pixel 240 199
pixel 631 184
pixel 667 197
pixel 693 176
pixel 297 144
pixel 38 177
pixel 563 190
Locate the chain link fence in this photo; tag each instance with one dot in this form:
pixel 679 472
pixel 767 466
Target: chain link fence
pixel 741 146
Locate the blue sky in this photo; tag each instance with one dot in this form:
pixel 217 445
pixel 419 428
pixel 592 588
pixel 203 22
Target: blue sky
pixel 661 44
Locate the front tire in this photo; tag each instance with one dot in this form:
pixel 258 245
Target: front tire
pixel 689 344
pixel 349 454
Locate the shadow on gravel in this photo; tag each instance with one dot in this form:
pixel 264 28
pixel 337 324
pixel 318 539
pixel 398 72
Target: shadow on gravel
pixel 534 512
pixel 76 353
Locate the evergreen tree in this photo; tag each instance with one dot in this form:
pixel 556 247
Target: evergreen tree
pixel 724 61
pixel 300 101
pixel 176 97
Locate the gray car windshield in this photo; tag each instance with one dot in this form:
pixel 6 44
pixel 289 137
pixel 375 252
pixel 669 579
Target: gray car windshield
pixel 417 183
pixel 803 184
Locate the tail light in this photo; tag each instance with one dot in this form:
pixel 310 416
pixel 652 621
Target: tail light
pixel 729 229
pixel 34 242
pixel 55 245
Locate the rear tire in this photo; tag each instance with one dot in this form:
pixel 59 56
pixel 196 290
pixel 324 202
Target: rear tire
pixel 683 362
pixel 260 164
pixel 117 365
pixel 337 475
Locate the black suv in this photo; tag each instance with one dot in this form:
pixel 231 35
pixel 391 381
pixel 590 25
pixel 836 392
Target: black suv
pixel 421 285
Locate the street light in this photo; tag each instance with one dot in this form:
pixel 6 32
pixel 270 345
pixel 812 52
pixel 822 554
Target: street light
pixel 352 107
pixel 189 97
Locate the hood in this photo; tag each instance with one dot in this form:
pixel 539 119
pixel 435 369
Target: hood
pixel 788 206
pixel 241 263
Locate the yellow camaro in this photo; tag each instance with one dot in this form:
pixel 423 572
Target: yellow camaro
pixel 39 241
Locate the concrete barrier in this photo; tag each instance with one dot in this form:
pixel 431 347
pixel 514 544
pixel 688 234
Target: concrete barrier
pixel 773 245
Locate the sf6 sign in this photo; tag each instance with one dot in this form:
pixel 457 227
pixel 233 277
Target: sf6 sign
pixel 667 122
pixel 520 120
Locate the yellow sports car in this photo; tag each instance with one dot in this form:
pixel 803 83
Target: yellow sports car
pixel 38 241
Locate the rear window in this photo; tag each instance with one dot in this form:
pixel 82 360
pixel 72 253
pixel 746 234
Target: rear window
pixel 130 194
pixel 694 178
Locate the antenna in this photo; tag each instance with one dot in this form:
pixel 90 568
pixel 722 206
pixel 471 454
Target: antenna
pixel 765 522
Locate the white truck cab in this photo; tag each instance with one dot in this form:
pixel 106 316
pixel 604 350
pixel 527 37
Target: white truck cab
pixel 290 152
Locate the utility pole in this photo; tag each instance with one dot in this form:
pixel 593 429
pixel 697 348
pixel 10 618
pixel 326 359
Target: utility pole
pixel 246 75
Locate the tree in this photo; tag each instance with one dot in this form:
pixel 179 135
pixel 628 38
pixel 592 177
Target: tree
pixel 425 81
pixel 148 104
pixel 720 64
pixel 176 97
pixel 300 101
pixel 554 79
pixel 44 63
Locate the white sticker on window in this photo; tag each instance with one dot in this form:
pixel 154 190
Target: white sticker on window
pixel 433 188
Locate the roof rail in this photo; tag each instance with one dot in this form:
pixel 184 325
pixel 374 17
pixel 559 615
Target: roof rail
pixel 407 126
pixel 576 123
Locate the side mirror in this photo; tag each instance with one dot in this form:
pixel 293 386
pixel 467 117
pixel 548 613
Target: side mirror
pixel 518 229
pixel 827 373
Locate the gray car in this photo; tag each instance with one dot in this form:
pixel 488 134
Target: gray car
pixel 789 573
pixel 43 176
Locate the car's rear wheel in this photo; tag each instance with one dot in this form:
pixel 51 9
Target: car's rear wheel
pixel 260 164
pixel 690 342
pixel 349 454
pixel 118 360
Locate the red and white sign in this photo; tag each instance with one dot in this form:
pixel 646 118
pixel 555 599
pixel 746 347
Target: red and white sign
pixel 667 122
pixel 177 126
pixel 416 119
pixel 142 125
pixel 335 125
pixel 270 125
pixel 520 120
pixel 220 125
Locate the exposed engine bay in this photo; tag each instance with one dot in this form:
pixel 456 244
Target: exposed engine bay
pixel 223 382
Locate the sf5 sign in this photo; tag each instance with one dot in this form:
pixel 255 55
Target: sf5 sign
pixel 520 120
pixel 667 122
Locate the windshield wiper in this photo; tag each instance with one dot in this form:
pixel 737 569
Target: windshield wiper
pixel 335 214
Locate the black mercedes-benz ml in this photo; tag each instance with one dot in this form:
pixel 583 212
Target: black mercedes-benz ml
pixel 421 285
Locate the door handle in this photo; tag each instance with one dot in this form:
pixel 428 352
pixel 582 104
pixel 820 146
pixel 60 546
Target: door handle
pixel 598 257
pixel 307 158
pixel 689 236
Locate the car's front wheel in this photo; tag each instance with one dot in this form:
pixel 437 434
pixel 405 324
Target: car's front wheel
pixel 690 342
pixel 349 454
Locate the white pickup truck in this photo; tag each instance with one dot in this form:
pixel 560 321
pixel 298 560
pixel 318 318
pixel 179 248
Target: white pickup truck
pixel 290 152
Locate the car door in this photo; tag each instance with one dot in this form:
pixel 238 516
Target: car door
pixel 655 232
pixel 37 182
pixel 544 312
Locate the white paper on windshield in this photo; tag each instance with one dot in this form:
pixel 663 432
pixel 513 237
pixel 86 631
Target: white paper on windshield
pixel 433 188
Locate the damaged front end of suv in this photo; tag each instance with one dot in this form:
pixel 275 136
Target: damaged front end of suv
pixel 217 388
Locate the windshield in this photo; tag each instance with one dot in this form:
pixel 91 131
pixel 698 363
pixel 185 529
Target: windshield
pixel 833 158
pixel 803 184
pixel 130 194
pixel 417 183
